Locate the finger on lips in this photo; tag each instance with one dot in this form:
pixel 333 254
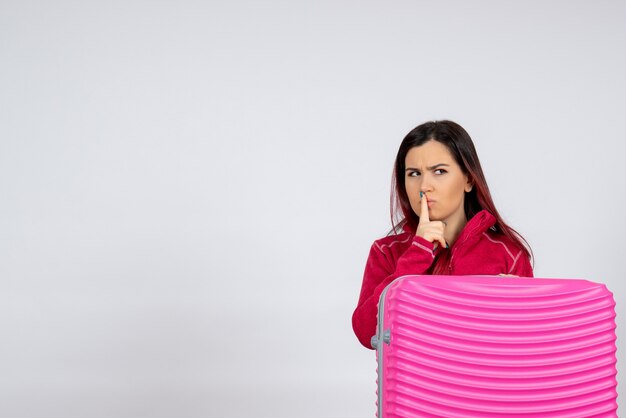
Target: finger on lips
pixel 424 212
pixel 425 218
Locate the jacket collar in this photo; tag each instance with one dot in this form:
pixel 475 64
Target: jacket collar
pixel 475 227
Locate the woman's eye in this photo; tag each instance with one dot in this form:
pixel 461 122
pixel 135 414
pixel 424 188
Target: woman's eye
pixel 440 169
pixel 413 174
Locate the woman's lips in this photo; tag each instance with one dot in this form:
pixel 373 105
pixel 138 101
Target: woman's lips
pixel 430 203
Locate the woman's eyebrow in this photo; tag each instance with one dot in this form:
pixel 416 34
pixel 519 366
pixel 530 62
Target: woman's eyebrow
pixel 429 168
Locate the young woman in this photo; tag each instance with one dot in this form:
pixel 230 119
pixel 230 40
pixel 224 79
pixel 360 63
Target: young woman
pixel 448 225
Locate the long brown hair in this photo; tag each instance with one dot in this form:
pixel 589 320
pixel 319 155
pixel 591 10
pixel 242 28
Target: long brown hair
pixel 461 147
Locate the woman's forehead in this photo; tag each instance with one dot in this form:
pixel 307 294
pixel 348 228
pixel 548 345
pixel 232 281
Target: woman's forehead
pixel 428 155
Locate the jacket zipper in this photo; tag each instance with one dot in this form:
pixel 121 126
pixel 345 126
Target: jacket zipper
pixel 450 264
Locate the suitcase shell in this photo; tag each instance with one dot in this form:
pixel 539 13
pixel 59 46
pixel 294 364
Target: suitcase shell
pixel 495 346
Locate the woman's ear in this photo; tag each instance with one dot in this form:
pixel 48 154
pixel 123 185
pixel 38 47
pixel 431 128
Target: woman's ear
pixel 469 186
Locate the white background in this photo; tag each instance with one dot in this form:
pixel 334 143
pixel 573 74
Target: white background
pixel 189 190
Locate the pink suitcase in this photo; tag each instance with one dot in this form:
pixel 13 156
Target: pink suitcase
pixel 491 346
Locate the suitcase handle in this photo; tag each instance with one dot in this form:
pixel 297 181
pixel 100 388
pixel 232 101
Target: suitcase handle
pixel 386 338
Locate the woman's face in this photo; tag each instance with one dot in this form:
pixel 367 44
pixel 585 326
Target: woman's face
pixel 430 168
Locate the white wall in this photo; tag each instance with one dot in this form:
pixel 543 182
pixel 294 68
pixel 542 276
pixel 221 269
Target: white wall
pixel 189 191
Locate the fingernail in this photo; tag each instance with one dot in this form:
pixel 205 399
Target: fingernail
pixel 420 195
pixel 447 246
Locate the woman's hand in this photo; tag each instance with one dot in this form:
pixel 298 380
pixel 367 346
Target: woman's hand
pixel 430 230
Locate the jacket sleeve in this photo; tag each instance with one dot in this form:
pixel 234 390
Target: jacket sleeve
pixel 522 267
pixel 379 272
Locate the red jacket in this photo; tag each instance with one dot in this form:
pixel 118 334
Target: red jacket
pixel 477 250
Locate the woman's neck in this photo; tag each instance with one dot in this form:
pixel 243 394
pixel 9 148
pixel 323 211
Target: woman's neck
pixel 454 227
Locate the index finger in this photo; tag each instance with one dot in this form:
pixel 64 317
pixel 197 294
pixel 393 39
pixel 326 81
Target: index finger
pixel 424 213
